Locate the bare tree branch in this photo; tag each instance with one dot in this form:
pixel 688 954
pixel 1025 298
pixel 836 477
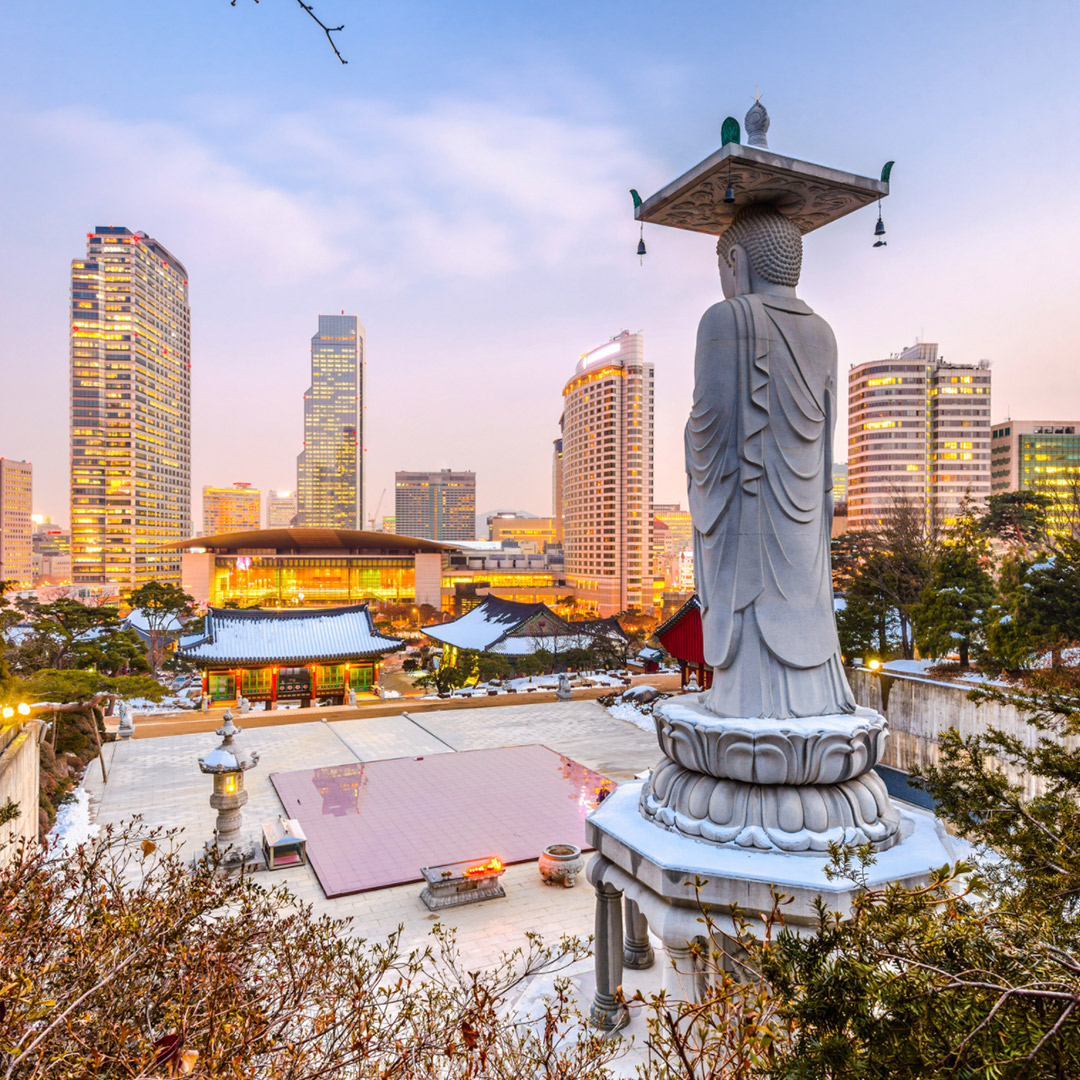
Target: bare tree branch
pixel 329 31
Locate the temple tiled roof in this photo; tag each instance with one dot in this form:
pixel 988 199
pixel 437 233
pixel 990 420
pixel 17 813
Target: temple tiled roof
pixel 693 604
pixel 287 637
pixel 488 623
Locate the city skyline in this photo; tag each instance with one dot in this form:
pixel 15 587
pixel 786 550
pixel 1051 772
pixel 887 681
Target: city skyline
pixel 495 188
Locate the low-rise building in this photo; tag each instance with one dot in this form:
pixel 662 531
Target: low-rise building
pixel 1041 456
pixel 272 656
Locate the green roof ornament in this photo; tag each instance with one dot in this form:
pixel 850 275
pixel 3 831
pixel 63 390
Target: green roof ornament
pixel 730 132
pixel 886 169
pixel 636 197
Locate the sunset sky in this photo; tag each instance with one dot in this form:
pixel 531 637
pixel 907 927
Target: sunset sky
pixel 462 186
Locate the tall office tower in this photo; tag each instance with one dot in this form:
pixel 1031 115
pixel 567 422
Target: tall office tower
pixel 1042 456
pixel 330 468
pixel 556 490
pixel 232 509
pixel 16 528
pixel 918 428
pixel 280 509
pixel 607 437
pixel 435 505
pixel 130 410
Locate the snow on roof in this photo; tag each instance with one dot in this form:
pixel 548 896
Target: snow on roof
pixel 288 637
pixel 487 623
pixel 553 643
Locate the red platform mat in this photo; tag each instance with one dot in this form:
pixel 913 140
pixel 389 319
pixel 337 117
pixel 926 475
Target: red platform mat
pixel 374 824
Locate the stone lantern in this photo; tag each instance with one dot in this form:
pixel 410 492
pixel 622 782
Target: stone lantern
pixel 227 763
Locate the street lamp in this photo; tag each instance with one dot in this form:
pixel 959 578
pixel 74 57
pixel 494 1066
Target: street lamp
pixel 227 763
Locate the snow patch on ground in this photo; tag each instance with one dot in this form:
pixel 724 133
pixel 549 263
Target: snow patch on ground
pixel 628 711
pixel 73 825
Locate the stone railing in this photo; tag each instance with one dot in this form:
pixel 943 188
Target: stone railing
pixel 19 778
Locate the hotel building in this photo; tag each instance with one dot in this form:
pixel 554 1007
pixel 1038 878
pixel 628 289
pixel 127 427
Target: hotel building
pixel 280 509
pixel 330 468
pixel 435 505
pixel 918 428
pixel 673 532
pixel 16 528
pixel 607 477
pixel 231 509
pixel 130 411
pixel 51 554
pixel 1042 456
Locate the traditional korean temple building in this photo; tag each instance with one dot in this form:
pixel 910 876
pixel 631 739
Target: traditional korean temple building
pixel 511 629
pixel 681 636
pixel 288 655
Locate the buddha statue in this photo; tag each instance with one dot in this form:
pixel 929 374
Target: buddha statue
pixel 759 470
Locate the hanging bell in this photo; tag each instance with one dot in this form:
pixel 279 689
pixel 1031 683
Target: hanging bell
pixel 879 228
pixel 729 194
pixel 641 246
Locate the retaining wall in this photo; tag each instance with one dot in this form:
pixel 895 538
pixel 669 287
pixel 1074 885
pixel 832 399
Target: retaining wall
pixel 920 710
pixel 20 767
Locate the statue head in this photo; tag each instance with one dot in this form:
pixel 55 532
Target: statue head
pixel 763 244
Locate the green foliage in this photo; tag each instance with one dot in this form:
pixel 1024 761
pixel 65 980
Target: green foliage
pixel 51 684
pixel 167 609
pixel 956 603
pixel 1017 517
pixel 447 677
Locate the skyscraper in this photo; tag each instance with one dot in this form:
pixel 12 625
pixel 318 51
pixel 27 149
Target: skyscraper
pixel 330 468
pixel 130 410
pixel 280 509
pixel 607 476
pixel 16 528
pixel 232 509
pixel 917 428
pixel 435 505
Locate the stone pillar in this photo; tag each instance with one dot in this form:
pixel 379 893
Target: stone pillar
pixel 637 952
pixel 607 1012
pixel 682 979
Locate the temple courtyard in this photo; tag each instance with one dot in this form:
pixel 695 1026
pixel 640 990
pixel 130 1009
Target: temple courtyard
pixel 159 779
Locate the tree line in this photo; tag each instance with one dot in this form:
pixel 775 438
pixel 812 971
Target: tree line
pixel 995 585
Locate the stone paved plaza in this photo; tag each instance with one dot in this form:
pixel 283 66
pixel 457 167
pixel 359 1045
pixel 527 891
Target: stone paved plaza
pixel 159 778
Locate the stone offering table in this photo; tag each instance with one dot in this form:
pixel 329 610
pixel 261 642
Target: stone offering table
pixel 454 884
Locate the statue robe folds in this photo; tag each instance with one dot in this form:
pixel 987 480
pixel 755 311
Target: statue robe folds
pixel 759 471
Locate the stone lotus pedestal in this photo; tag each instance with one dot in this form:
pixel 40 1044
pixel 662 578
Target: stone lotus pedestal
pixel 733 809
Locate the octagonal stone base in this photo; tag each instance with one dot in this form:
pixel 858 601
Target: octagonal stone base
pixel 666 863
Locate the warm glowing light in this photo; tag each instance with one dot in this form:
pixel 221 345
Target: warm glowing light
pixel 492 866
pixel 9 712
pixel 24 709
pixel 874 665
pixel 230 784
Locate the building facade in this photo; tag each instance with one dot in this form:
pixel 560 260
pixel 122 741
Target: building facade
pixel 607 477
pixel 673 532
pixel 130 328
pixel 556 490
pixel 435 505
pixel 231 509
pixel 16 528
pixel 330 468
pixel 531 534
pixel 918 428
pixel 51 554
pixel 1042 456
pixel 280 509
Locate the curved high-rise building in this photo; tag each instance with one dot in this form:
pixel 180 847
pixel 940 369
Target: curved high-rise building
pixel 918 428
pixel 330 468
pixel 607 477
